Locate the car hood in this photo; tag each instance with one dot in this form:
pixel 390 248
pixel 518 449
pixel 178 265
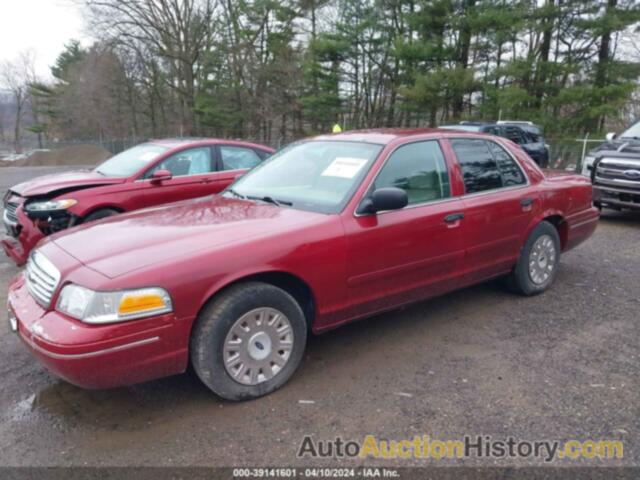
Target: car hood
pixel 622 148
pixel 121 244
pixel 48 184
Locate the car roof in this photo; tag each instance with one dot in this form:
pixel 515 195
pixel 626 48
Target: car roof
pixel 379 135
pixel 465 127
pixel 179 142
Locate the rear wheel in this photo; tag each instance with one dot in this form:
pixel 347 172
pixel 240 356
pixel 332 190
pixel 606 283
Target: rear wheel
pixel 538 263
pixel 248 341
pixel 98 214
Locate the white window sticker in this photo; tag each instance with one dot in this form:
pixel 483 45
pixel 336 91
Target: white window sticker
pixel 344 167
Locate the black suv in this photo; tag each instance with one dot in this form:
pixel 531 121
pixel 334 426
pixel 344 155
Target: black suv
pixel 614 169
pixel 525 134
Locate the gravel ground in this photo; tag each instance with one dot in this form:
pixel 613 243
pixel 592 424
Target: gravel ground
pixel 481 361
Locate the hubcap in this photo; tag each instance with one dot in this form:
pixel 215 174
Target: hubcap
pixel 258 346
pixel 542 259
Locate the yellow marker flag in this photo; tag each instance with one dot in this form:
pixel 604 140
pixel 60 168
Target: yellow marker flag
pixel 337 128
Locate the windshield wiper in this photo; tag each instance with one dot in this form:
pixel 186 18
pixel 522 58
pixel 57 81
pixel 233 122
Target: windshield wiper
pixel 234 193
pixel 269 199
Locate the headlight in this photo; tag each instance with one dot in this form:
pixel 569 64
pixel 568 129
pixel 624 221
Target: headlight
pixel 587 165
pixel 107 307
pixel 50 205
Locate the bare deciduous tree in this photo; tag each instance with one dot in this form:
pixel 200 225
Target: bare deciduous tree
pixel 15 77
pixel 177 31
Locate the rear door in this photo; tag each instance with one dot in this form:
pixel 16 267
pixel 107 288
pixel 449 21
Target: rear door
pixel 499 204
pixel 192 173
pixel 398 256
pixel 233 161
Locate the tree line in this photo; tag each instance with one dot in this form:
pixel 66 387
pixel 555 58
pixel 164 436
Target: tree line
pixel 276 70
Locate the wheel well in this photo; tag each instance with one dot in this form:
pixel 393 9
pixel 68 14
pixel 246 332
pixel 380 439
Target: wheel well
pixel 106 207
pixel 291 284
pixel 561 226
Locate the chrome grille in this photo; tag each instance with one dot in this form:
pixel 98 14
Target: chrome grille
pixel 42 278
pixel 10 213
pixel 618 173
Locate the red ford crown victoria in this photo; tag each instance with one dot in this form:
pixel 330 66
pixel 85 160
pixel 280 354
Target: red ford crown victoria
pixel 153 173
pixel 327 231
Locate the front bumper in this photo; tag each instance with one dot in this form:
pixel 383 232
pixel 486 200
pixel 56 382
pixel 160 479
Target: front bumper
pixel 91 356
pixel 18 248
pixel 620 198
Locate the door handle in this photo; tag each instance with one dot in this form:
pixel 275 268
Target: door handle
pixel 453 217
pixel 526 202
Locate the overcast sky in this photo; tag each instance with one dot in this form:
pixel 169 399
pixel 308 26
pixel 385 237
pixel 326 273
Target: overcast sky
pixel 41 25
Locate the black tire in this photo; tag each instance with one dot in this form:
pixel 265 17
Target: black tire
pixel 98 214
pixel 520 279
pixel 214 324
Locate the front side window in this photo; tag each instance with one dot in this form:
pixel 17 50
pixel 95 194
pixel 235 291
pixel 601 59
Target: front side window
pixel 193 161
pixel 479 168
pixel 419 169
pixel 238 158
pixel 510 171
pixel 318 176
pixel 130 161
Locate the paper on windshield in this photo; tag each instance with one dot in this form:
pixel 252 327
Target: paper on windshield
pixel 344 167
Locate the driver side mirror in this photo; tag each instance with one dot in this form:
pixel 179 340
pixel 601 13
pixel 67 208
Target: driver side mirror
pixel 390 198
pixel 610 136
pixel 160 176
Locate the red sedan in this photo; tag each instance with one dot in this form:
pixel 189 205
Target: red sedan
pixel 149 174
pixel 329 230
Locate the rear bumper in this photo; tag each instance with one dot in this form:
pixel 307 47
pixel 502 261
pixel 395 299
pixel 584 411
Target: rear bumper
pixel 581 226
pixel 91 356
pixel 606 196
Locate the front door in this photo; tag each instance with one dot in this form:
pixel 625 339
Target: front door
pixel 400 256
pixel 234 161
pixel 192 173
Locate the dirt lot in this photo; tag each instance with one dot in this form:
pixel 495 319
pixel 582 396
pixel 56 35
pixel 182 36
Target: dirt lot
pixel 63 156
pixel 480 361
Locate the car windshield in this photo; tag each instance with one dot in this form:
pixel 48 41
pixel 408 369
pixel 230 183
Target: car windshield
pixel 318 176
pixel 130 161
pixel 632 132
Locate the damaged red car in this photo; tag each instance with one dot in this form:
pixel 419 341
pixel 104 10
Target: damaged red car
pixel 160 171
pixel 327 231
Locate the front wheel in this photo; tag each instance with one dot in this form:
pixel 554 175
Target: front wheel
pixel 248 341
pixel 538 263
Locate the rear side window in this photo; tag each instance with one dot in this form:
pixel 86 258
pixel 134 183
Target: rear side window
pixel 510 171
pixel 419 169
pixel 514 134
pixel 262 154
pixel 479 168
pixel 238 158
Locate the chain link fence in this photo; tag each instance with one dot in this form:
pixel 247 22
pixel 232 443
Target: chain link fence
pixel 568 153
pixel 564 153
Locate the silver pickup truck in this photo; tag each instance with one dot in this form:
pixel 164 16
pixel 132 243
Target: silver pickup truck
pixel 614 168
